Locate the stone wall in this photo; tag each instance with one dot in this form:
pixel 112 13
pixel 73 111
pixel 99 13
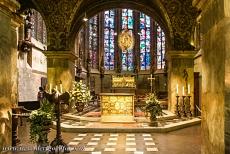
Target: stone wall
pixel 95 82
pixel 8 64
pixel 198 62
pixel 30 74
pixel 227 91
pixel 215 28
pixel 60 68
pixel 178 62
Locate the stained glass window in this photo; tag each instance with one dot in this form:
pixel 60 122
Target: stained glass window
pixel 160 48
pixel 109 30
pixel 38 28
pixel 44 33
pixel 93 41
pixel 35 23
pixel 145 56
pixel 127 56
pixel 127 22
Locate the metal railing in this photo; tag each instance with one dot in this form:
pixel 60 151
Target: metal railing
pixel 198 109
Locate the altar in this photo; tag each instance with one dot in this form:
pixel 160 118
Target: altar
pixel 117 107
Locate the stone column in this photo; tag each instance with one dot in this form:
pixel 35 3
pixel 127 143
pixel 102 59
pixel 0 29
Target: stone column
pixel 178 62
pixel 60 68
pixel 215 124
pixel 8 63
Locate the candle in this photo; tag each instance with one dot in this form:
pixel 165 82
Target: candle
pixel 183 90
pixel 61 87
pixel 188 88
pixel 50 87
pixel 176 88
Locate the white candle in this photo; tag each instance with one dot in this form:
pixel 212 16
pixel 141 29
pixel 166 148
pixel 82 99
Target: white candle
pixel 61 87
pixel 183 90
pixel 176 88
pixel 188 88
pixel 50 87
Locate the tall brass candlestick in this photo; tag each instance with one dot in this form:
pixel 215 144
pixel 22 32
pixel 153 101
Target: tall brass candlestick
pixel 183 114
pixel 58 141
pixel 177 112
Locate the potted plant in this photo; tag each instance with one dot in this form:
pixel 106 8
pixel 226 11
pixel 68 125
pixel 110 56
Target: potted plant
pixel 40 123
pixel 152 108
pixel 80 95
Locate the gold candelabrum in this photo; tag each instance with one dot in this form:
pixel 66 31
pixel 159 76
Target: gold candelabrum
pixel 183 107
pixel 57 96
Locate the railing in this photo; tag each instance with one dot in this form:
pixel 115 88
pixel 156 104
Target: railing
pixel 198 109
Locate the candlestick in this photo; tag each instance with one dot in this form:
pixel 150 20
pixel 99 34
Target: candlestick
pixel 177 107
pixel 61 87
pixel 183 113
pixel 183 90
pixel 188 88
pixel 50 87
pixel 177 89
pixel 187 107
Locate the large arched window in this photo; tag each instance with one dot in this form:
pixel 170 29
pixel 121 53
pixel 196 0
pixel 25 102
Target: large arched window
pixel 39 29
pixel 160 49
pixel 109 30
pixel 127 23
pixel 145 33
pixel 93 41
pixel 148 35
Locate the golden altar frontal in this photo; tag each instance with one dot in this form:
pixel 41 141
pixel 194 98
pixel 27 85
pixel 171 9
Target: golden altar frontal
pixel 117 107
pixel 123 82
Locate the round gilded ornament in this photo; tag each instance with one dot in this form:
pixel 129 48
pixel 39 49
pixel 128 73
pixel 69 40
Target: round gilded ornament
pixel 126 40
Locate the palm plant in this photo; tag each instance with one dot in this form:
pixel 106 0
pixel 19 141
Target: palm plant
pixel 152 107
pixel 40 122
pixel 80 95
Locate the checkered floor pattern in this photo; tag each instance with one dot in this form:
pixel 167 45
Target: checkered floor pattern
pixel 108 143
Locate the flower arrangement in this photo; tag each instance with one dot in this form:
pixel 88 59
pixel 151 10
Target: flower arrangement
pixel 80 92
pixel 40 121
pixel 152 107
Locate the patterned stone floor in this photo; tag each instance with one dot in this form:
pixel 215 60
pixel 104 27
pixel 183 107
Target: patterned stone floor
pixel 114 143
pixel 184 141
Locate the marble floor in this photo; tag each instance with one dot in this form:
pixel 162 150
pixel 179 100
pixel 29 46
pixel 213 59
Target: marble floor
pixel 184 141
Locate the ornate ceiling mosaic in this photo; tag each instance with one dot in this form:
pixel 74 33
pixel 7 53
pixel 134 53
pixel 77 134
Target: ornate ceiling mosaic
pixel 59 15
pixel 183 17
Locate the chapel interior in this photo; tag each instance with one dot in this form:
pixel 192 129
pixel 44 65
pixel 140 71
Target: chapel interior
pixel 120 51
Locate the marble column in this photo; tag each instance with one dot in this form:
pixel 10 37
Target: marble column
pixel 8 63
pixel 215 124
pixel 178 63
pixel 60 69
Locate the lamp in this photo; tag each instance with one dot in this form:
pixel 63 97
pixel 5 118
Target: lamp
pixel 85 18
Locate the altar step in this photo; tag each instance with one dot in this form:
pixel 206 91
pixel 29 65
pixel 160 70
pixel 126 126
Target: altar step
pixel 72 122
pixel 98 127
pixel 84 118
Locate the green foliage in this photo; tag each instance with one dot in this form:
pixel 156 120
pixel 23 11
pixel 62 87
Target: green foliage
pixel 41 119
pixel 152 106
pixel 80 92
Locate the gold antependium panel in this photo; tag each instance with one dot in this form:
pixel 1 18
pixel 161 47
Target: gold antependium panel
pixel 117 107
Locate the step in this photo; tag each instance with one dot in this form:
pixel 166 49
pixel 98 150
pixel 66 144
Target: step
pixel 97 127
